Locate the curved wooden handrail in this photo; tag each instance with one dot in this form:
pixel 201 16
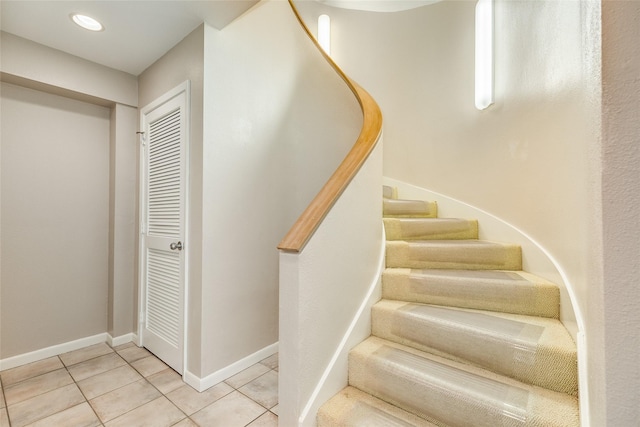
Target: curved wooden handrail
pixel 300 233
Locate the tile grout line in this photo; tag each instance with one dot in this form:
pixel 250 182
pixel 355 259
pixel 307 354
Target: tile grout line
pixel 4 399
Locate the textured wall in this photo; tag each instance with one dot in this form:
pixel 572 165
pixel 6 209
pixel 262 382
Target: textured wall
pixel 614 305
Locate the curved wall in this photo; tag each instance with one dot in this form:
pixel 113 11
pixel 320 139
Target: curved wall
pixel 527 158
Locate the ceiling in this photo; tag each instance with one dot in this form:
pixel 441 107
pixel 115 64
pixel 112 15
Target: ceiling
pixel 136 34
pixel 379 5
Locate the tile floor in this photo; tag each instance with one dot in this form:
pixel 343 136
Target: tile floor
pixel 128 386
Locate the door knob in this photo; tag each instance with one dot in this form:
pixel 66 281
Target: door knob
pixel 175 246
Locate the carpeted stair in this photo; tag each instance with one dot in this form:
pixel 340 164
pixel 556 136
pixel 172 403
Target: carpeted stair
pixel 462 336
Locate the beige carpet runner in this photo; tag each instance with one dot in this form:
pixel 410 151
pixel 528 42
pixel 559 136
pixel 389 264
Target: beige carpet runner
pixel 462 336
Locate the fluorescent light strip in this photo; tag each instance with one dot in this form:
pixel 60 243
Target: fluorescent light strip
pixel 484 54
pixel 324 33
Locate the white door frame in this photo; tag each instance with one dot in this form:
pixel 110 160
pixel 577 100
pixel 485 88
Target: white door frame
pixel 185 88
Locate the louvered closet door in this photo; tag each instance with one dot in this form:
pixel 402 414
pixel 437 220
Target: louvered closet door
pixel 162 308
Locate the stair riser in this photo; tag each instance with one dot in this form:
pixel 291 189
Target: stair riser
pixel 389 192
pixel 503 346
pixel 465 256
pixel 429 229
pixel 517 297
pixel 409 208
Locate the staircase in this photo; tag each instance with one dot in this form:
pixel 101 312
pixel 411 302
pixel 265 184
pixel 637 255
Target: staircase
pixel 461 338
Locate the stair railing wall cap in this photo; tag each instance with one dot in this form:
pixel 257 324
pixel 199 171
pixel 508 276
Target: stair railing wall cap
pixel 306 225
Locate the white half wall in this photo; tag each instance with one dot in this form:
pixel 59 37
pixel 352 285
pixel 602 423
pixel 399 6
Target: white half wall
pixel 326 294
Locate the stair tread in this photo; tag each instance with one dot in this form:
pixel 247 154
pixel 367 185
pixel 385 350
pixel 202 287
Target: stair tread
pixel 516 292
pixel 404 376
pixel 409 208
pixel 454 254
pixel 353 407
pixel 430 228
pixel 533 349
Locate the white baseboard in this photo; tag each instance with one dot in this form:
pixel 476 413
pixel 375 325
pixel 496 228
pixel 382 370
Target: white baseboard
pixel 54 350
pixel 58 349
pixel 122 339
pixel 201 384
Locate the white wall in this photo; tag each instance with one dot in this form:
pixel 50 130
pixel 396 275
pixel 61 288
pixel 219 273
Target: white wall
pixel 55 220
pixel 278 121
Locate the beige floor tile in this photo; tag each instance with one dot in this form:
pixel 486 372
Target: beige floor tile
pixel 84 354
pixel 37 385
pixel 166 380
pixel 123 346
pixel 263 389
pixel 96 366
pixel 186 423
pixel 149 366
pixel 265 420
pixel 275 409
pixel 77 416
pixel 157 413
pixel 131 354
pixel 44 405
pixel 24 372
pixel 2 404
pixel 105 382
pixel 4 418
pixel 233 410
pixel 271 362
pixel 117 402
pixel 247 375
pixel 190 401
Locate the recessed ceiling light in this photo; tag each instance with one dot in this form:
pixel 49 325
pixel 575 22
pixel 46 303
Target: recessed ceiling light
pixel 86 22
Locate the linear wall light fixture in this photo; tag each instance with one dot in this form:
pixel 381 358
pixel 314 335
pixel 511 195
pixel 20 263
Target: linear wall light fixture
pixel 324 33
pixel 484 54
